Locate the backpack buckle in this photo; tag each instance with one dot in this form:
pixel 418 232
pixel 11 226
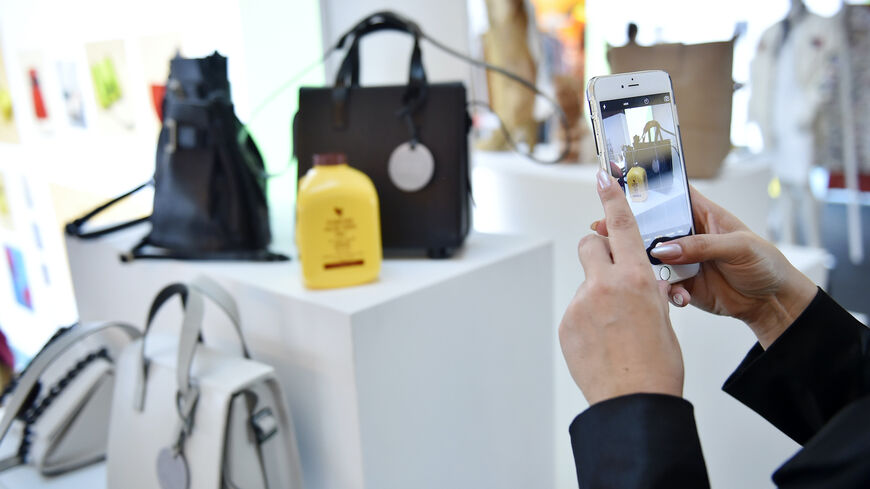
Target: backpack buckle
pixel 171 126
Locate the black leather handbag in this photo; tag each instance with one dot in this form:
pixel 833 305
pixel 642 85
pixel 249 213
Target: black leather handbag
pixel 411 140
pixel 653 153
pixel 209 181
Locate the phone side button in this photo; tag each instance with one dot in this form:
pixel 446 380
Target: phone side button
pixel 595 137
pixel 665 272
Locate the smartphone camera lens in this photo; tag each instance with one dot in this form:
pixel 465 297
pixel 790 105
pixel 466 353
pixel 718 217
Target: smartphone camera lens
pixel 645 101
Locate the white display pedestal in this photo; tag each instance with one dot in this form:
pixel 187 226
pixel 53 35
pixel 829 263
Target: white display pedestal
pixel 559 202
pixel 436 376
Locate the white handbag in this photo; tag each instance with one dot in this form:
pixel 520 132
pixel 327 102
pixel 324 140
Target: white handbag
pixel 191 417
pixel 56 414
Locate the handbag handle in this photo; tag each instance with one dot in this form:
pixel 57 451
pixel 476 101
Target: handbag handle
pixel 653 124
pixel 194 308
pixel 348 73
pixel 45 358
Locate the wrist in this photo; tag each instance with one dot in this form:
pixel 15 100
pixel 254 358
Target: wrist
pixel 779 310
pixel 649 383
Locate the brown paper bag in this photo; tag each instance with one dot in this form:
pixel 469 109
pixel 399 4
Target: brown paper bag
pixel 703 88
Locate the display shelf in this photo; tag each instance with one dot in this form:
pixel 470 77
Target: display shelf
pixel 392 382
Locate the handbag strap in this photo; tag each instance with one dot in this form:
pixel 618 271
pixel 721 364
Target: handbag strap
pixel 348 73
pixel 141 252
pixel 647 131
pixel 45 358
pixel 194 308
pixel 381 20
pixel 75 228
pixel 417 89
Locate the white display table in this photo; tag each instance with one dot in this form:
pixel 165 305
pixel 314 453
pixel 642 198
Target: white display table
pixel 439 375
pixel 559 202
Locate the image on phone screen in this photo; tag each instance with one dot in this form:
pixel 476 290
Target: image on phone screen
pixel 641 148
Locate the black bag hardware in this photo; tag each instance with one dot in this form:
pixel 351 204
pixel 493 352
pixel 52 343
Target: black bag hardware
pixel 209 180
pixel 370 123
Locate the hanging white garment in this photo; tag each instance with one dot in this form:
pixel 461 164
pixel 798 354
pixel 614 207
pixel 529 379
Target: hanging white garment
pixel 790 75
pixel 814 43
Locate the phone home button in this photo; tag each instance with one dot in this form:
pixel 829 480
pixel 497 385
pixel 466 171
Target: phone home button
pixel 665 272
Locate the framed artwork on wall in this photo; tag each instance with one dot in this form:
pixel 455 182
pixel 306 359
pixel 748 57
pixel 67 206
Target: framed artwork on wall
pixel 107 62
pixel 8 128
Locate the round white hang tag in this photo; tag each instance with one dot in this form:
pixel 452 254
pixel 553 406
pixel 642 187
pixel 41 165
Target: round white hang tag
pixel 411 168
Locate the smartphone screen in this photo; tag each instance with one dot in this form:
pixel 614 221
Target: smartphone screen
pixel 641 145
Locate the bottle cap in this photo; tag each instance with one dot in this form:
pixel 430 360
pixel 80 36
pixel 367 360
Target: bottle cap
pixel 327 159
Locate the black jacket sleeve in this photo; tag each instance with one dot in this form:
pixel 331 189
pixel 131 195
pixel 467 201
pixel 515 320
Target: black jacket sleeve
pixel 817 367
pixel 813 383
pixel 638 441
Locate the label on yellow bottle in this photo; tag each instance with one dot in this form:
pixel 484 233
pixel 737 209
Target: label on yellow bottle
pixel 638 187
pixel 343 252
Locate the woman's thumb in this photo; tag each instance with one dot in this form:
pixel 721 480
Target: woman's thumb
pixel 702 247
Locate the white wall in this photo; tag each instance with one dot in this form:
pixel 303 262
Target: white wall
pixel 385 55
pixel 59 30
pixel 265 41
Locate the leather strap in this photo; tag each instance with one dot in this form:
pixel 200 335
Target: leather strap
pixel 193 304
pixel 45 358
pixel 647 131
pixel 190 329
pixel 384 19
pixel 140 252
pixel 224 300
pixel 75 228
pixel 348 72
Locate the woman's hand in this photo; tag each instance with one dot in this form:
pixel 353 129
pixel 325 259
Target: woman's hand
pixel 616 334
pixel 742 275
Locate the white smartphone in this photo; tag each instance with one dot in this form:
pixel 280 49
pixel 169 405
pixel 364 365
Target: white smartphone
pixel 637 137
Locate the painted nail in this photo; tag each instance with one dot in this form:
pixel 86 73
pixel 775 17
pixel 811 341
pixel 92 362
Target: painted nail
pixel 603 179
pixel 678 299
pixel 672 250
pixel 594 226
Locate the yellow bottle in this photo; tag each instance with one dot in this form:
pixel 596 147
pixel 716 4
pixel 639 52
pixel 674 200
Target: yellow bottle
pixel 638 187
pixel 338 225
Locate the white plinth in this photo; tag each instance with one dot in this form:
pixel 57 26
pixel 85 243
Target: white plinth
pixel 436 376
pixel 559 202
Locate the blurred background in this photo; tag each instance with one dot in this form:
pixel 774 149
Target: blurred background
pixel 781 111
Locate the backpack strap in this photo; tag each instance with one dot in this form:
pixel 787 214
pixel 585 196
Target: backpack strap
pixel 76 227
pixel 139 252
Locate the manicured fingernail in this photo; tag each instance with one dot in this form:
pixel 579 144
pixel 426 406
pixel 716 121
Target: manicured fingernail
pixel 603 179
pixel 594 226
pixel 672 250
pixel 678 299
